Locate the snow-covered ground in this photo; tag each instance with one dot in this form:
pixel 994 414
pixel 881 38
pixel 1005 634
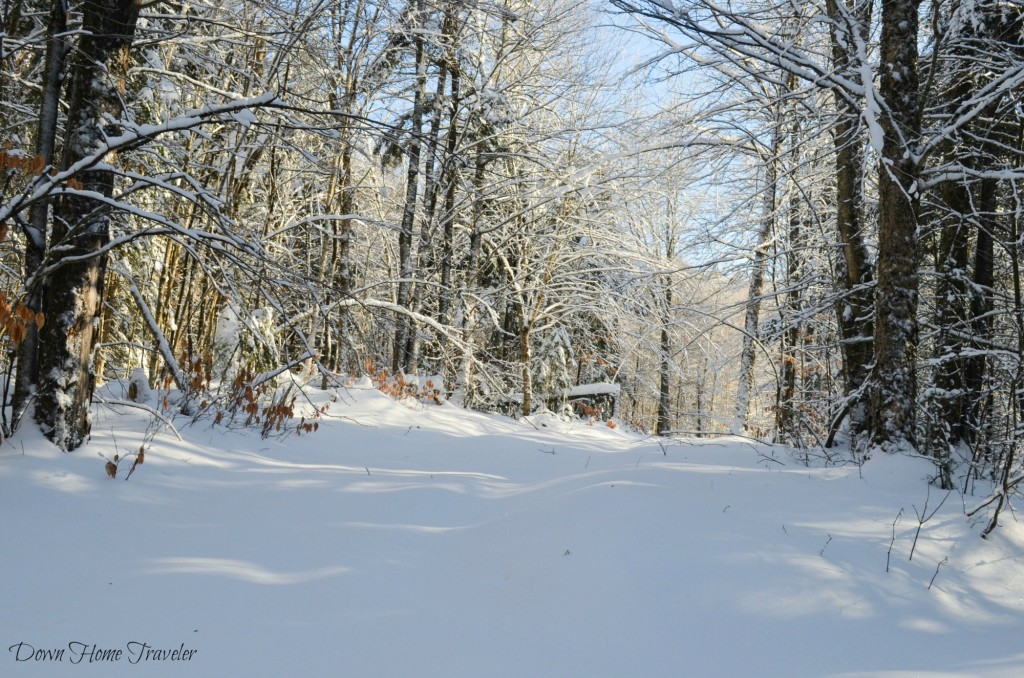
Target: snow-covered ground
pixel 417 540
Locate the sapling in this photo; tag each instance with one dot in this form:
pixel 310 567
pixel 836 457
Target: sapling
pixel 923 517
pixel 940 564
pixel 892 541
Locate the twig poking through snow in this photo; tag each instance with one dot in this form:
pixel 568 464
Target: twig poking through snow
pixel 892 541
pixel 922 518
pixel 941 563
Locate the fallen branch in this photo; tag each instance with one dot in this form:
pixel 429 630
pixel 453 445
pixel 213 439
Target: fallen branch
pixel 146 408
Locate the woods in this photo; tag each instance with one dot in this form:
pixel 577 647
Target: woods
pixel 911 225
pixel 795 222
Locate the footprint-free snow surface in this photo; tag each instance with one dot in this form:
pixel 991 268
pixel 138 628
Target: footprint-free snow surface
pixel 413 540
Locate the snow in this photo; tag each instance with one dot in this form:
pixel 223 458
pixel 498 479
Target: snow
pixel 245 117
pixel 139 389
pixel 872 114
pixel 403 539
pixel 595 389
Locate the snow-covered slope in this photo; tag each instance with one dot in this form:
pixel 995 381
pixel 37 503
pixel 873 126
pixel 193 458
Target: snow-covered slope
pixel 407 540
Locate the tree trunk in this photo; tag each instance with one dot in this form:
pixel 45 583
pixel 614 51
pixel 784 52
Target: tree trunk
pixel 450 179
pixel 464 387
pixel 699 398
pixel 664 424
pixel 403 323
pixel 854 311
pixel 36 232
pixel 893 392
pixel 524 359
pixel 751 317
pixel 982 284
pixel 786 412
pixel 433 176
pixel 82 225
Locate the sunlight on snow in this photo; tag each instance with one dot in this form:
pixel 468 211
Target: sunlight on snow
pixel 64 481
pixel 239 569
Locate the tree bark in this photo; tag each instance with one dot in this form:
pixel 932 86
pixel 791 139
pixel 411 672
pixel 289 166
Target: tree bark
pixel 664 424
pixel 464 388
pixel 854 311
pixel 403 324
pixel 893 392
pixel 82 225
pixel 36 232
pixel 786 420
pixel 983 282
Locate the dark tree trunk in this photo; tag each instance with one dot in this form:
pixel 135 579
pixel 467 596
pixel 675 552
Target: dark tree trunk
pixel 951 307
pixel 786 413
pixel 525 355
pixel 893 392
pixel 403 323
pixel 981 305
pixel 36 232
pixel 946 404
pixel 433 178
pixel 854 311
pixel 82 225
pixel 664 424
pixel 342 267
pixel 464 380
pixel 450 179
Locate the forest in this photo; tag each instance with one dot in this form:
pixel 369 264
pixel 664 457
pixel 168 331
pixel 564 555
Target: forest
pixel 793 221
